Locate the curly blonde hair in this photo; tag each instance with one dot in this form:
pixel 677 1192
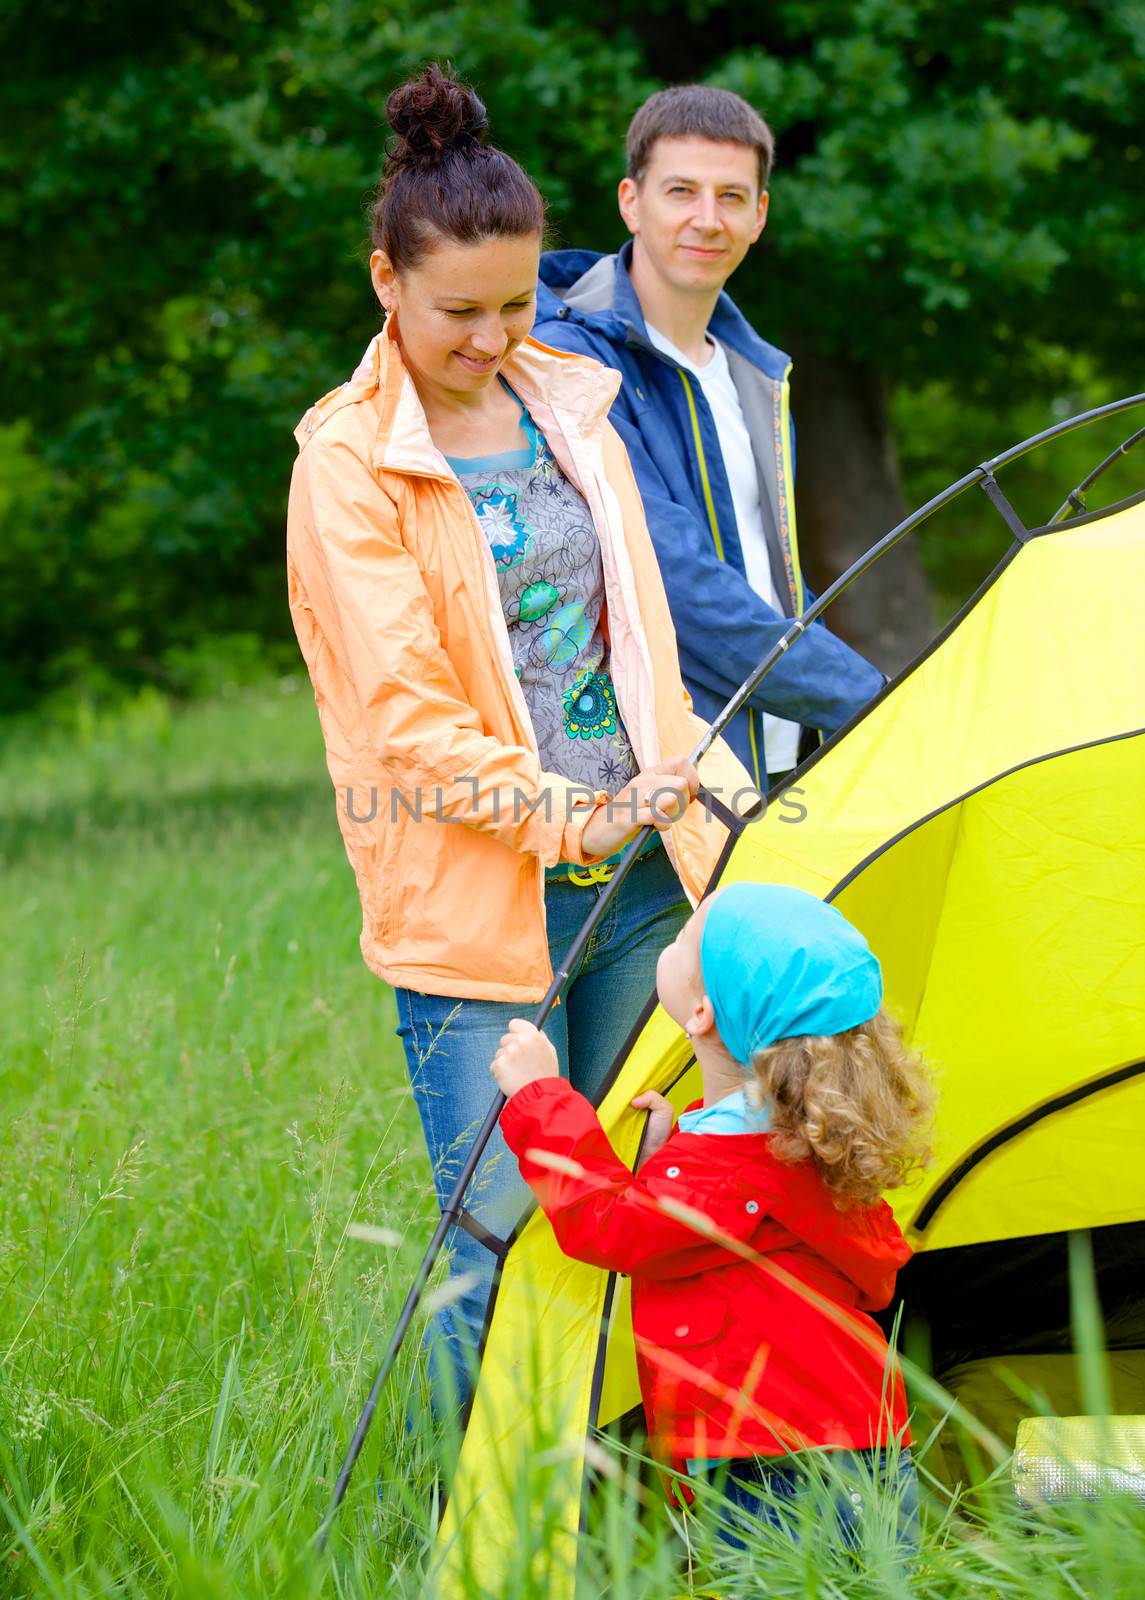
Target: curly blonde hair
pixel 858 1103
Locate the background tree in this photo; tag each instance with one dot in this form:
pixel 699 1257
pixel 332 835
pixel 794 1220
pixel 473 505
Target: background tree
pixel 954 217
pixel 185 258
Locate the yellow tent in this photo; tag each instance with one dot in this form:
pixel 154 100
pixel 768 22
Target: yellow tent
pixel 983 823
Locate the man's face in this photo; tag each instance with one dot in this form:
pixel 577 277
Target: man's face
pixel 697 210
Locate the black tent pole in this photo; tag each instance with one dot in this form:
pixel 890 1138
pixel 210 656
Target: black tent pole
pixel 1075 499
pixel 451 1211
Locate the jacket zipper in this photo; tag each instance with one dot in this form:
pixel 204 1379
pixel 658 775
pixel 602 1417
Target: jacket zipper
pixel 788 531
pixel 503 649
pixel 709 501
pixel 503 644
pixel 594 485
pixel 787 490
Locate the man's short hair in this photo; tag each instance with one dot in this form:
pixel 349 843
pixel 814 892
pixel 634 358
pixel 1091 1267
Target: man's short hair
pixel 695 111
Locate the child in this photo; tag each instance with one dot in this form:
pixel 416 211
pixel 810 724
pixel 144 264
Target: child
pixel 752 1337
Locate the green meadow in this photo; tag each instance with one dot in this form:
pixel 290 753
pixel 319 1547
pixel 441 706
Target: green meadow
pixel 213 1195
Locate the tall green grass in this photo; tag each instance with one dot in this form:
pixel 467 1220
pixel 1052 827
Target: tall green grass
pixel 202 1091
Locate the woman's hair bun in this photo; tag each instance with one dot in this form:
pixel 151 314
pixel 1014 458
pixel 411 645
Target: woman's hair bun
pixel 440 181
pixel 433 115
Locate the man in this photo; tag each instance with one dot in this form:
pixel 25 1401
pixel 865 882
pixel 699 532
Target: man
pixel 704 412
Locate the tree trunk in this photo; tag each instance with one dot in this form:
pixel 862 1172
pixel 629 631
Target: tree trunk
pixel 848 495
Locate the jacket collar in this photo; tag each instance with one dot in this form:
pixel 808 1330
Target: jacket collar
pixel 574 286
pixel 579 392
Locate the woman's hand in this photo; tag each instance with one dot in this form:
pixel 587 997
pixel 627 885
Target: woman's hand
pixel 658 796
pixel 661 1120
pixel 525 1054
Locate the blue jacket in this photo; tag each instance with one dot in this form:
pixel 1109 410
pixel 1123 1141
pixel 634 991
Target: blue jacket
pixel 587 304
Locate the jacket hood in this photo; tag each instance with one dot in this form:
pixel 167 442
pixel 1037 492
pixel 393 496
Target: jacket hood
pixel 595 291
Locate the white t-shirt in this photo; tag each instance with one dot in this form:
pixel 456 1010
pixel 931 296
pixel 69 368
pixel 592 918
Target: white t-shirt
pixel 780 737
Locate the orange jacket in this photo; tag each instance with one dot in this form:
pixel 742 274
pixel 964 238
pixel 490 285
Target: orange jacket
pixel 448 818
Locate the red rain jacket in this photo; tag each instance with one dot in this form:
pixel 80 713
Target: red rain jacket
pixel 737 1357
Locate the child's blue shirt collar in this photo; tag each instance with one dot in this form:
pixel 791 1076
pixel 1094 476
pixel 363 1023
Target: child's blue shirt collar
pixel 735 1113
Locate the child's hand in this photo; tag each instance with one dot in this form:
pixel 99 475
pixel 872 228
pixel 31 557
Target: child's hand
pixel 661 1120
pixel 525 1054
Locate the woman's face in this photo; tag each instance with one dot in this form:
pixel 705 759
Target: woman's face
pixel 462 310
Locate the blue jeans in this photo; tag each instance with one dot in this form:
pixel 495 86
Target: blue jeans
pixel 782 1491
pixel 449 1044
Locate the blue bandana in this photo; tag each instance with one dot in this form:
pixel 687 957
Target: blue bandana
pixel 778 963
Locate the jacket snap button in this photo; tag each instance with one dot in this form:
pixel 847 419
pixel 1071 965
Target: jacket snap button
pixel 672 1172
pixel 752 1207
pixel 682 1331
pixel 563 312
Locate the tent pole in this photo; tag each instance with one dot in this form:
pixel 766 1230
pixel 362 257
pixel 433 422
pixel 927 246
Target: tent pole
pixel 1075 499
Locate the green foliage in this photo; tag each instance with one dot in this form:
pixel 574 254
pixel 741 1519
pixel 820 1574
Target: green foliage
pixel 186 275
pixel 941 435
pixel 954 188
pixel 184 197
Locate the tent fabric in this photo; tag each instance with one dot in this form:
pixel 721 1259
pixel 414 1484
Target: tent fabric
pixel 982 824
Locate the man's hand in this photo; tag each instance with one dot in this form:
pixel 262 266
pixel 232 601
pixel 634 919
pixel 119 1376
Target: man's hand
pixel 525 1054
pixel 661 1120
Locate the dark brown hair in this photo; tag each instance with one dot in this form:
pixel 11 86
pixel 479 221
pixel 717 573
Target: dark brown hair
pixel 695 111
pixel 440 180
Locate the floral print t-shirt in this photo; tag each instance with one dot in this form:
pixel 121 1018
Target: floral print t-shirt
pixel 547 556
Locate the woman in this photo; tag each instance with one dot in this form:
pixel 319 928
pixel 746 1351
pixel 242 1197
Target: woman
pixel 477 599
